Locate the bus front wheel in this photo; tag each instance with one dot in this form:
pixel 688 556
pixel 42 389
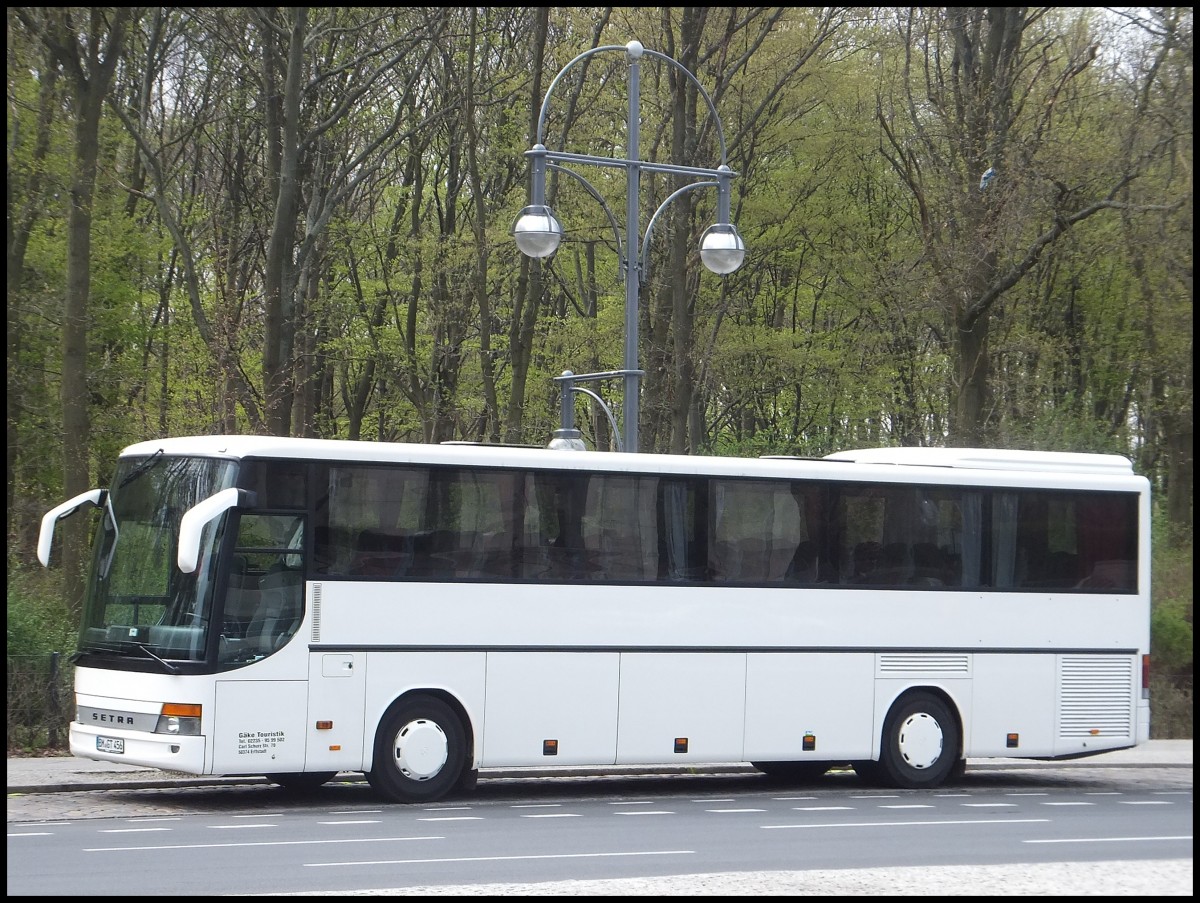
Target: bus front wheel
pixel 920 743
pixel 420 751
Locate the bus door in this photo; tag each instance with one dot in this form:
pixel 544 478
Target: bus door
pixel 261 707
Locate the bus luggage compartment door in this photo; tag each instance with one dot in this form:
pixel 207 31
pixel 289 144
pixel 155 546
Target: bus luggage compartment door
pixel 259 726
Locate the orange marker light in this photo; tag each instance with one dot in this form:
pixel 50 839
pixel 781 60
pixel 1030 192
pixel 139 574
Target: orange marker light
pixel 181 709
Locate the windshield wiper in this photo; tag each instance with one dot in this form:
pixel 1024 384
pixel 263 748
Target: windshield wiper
pixel 171 669
pixel 140 469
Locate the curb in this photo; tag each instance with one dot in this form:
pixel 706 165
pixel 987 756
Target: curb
pixel 164 780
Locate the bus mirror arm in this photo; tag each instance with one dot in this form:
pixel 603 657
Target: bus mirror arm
pixel 198 517
pixel 93 497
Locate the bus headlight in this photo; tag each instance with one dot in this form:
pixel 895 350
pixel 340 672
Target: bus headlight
pixel 180 719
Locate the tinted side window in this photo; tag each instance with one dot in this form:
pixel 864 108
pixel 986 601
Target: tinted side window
pixel 1085 542
pixel 756 528
pixel 907 536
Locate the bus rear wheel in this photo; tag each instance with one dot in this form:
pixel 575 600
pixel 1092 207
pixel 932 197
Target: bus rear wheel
pixel 420 751
pixel 920 743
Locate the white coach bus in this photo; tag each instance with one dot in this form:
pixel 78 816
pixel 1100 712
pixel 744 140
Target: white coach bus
pixel 295 608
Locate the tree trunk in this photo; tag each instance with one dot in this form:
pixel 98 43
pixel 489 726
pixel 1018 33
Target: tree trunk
pixel 482 301
pixel 529 282
pixel 970 392
pixel 20 227
pixel 104 42
pixel 684 285
pixel 278 271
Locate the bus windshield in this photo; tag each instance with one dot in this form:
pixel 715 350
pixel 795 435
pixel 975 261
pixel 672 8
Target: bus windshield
pixel 139 603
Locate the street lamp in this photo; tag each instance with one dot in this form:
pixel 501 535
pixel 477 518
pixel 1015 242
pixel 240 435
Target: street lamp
pixel 538 232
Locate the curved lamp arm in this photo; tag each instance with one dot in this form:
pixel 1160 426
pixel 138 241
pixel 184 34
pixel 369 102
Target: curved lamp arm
pixel 644 267
pixel 612 421
pixel 636 51
pixel 612 220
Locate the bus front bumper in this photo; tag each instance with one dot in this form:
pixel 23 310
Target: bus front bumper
pixel 169 752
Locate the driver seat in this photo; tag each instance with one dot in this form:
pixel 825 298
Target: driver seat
pixel 280 612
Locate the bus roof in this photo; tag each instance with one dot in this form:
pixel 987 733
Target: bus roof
pixel 990 459
pixel 955 465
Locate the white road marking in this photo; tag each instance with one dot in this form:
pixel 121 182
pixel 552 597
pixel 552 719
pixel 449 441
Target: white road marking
pixel 227 827
pixel 503 858
pixel 1108 839
pixel 915 824
pixel 352 821
pixel 253 843
pixel 824 808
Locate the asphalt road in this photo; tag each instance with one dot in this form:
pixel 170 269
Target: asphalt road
pixel 64 788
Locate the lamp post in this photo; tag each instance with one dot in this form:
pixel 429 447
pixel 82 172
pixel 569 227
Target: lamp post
pixel 538 233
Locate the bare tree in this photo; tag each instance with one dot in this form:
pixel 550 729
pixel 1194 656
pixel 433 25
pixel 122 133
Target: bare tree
pixel 530 285
pixel 88 53
pixel 306 99
pixel 983 89
pixel 27 187
pixel 718 46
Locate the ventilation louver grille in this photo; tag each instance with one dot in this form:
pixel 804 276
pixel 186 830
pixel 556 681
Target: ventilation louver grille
pixel 1095 696
pixel 898 664
pixel 316 613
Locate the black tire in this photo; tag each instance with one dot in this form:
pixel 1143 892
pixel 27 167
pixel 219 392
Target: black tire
pixel 920 743
pixel 420 751
pixel 958 771
pixel 301 782
pixel 793 772
pixel 468 782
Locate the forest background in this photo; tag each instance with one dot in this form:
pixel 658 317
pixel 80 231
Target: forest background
pixel 967 226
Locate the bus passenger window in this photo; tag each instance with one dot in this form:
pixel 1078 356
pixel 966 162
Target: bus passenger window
pixel 932 566
pixel 379 554
pixel 804 567
pixel 1062 569
pixel 1116 575
pixel 866 560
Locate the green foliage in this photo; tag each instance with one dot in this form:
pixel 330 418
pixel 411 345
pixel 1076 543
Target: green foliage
pixel 856 193
pixel 38 621
pixel 1067 428
pixel 41 636
pixel 1171 623
pixel 1171 634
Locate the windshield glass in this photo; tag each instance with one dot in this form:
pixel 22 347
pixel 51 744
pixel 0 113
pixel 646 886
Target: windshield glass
pixel 139 603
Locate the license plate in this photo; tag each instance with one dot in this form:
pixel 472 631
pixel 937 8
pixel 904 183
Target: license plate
pixel 110 744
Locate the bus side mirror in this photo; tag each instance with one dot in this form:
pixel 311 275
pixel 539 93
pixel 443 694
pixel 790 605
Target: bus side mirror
pixel 93 497
pixel 198 517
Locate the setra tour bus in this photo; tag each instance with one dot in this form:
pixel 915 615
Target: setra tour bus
pixel 296 608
